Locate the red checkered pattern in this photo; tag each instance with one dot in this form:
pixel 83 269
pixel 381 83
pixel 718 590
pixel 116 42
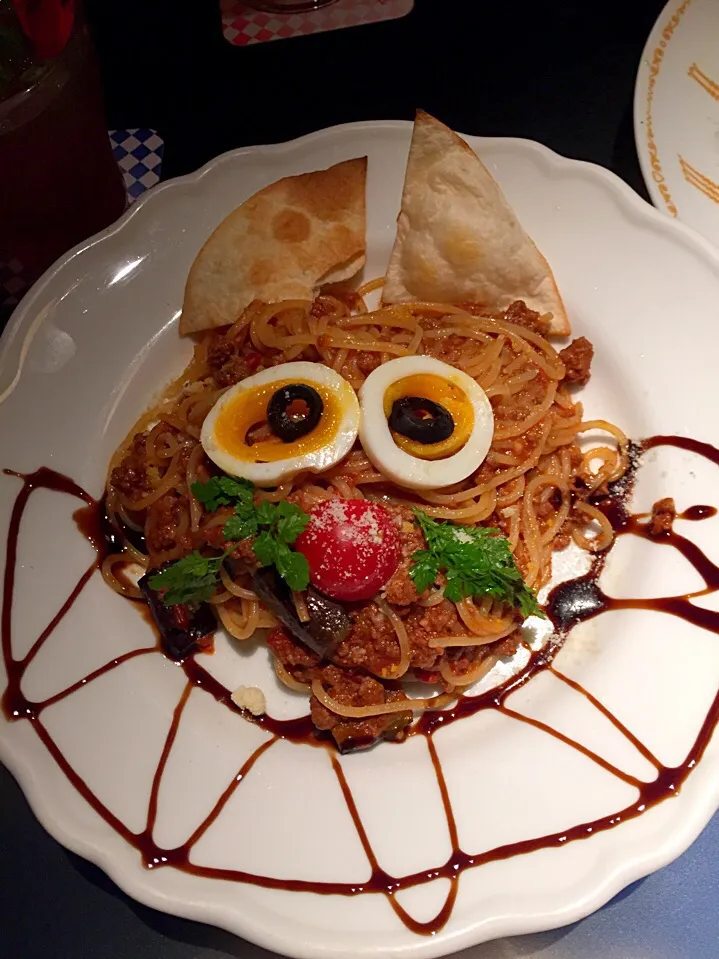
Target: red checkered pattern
pixel 243 25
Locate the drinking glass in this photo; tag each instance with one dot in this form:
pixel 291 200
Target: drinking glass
pixel 289 6
pixel 59 182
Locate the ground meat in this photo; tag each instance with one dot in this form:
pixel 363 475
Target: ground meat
pixel 307 500
pixel 225 360
pixel 130 477
pixel 210 532
pixel 517 312
pixel 299 661
pixel 524 446
pixel 245 553
pixel 400 590
pixel 520 314
pixel 327 305
pixel 575 456
pixel 509 645
pixel 425 624
pixel 563 537
pixel 577 359
pixel 163 519
pixel 371 643
pixel 357 689
pixel 450 348
pixel 231 361
pixel 664 513
pixel 367 361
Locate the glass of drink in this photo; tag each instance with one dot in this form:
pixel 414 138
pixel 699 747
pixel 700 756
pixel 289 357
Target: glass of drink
pixel 59 182
pixel 288 6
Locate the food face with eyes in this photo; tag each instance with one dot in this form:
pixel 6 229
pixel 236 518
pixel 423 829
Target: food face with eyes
pixel 381 488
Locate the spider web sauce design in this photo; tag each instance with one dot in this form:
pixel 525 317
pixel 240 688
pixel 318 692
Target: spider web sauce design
pixel 569 603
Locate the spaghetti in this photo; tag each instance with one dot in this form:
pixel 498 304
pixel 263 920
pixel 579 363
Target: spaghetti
pixel 537 485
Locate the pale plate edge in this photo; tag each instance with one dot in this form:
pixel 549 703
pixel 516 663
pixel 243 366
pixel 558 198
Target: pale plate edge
pixel 135 881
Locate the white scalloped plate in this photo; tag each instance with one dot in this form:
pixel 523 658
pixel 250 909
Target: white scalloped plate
pixel 88 348
pixel 676 113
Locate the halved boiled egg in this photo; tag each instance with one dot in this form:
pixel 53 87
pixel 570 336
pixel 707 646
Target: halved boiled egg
pixel 289 418
pixel 424 423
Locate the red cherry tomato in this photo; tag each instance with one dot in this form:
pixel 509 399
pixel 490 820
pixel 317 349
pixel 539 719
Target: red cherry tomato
pixel 352 547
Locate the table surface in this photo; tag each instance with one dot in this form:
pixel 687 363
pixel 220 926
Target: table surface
pixel 562 74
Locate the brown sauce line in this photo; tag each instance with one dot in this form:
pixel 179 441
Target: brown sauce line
pixel 164 756
pixel 431 721
pixel 438 922
pixel 582 598
pixel 38 707
pixel 707 569
pixel 58 617
pixel 354 814
pixel 600 707
pixel 228 792
pixel 380 881
pixel 695 513
pixel 81 785
pixel 705 450
pixel 300 730
pixel 572 744
pixel 444 792
pixel 667 782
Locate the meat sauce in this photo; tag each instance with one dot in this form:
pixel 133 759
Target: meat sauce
pixel 569 604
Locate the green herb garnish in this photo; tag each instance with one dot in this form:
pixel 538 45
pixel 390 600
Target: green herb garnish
pixel 224 491
pixel 283 524
pixel 476 561
pixel 193 578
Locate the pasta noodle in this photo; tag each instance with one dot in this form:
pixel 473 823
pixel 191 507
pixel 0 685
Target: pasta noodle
pixel 535 486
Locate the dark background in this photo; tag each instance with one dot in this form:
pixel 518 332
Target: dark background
pixel 561 72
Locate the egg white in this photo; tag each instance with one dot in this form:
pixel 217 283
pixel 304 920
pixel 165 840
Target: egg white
pixel 403 468
pixel 316 461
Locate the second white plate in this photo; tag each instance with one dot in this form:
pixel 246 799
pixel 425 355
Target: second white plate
pixel 676 113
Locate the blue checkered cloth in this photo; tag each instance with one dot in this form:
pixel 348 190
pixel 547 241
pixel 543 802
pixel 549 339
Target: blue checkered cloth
pixel 139 155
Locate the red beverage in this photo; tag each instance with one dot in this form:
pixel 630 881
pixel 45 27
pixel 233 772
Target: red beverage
pixel 289 6
pixel 59 182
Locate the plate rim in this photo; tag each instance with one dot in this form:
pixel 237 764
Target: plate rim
pixel 639 100
pixel 135 882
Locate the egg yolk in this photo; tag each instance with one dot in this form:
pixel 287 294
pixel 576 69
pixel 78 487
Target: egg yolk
pixel 446 394
pixel 249 408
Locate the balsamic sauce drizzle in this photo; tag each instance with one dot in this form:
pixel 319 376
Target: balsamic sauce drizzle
pixel 569 603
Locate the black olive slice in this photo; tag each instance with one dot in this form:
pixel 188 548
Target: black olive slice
pixel 288 425
pixel 421 419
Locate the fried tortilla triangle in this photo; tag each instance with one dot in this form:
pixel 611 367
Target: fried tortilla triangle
pixel 282 244
pixel 458 240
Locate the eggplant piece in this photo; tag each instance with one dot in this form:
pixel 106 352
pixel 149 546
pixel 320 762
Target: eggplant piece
pixel 350 741
pixel 181 626
pixel 329 624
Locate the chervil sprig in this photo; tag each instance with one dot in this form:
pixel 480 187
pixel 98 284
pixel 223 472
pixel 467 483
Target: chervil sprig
pixel 194 578
pixel 476 561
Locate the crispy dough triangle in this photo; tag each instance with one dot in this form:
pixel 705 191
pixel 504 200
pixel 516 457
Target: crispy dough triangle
pixel 458 239
pixel 282 243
